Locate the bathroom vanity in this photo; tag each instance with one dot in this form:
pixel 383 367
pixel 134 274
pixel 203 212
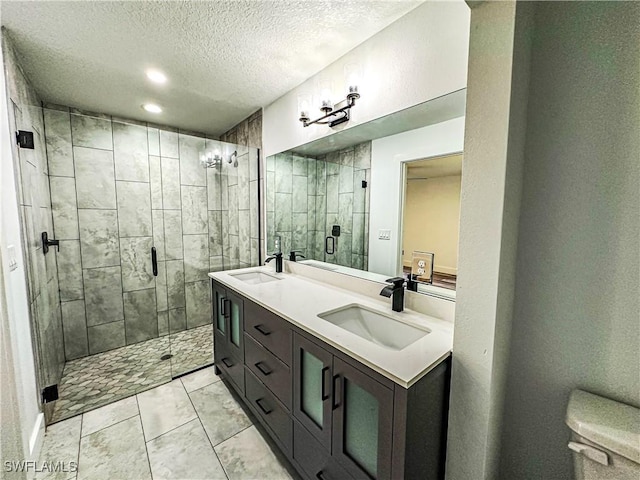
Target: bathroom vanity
pixel 337 404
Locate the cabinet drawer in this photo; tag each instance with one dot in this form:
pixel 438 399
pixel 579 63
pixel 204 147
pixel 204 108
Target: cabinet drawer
pixel 230 366
pixel 269 370
pixel 269 329
pixel 313 458
pixel 272 412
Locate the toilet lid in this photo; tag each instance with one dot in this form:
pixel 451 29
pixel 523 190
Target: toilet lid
pixel 612 425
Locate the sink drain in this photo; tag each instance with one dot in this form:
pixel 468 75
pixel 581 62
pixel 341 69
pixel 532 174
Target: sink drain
pixel 166 356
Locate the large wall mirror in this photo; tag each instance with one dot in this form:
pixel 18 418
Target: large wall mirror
pixel 377 199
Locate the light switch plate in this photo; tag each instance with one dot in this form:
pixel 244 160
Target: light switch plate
pixel 384 234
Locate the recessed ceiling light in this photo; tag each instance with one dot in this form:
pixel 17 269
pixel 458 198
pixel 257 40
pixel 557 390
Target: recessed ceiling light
pixel 152 108
pixel 156 76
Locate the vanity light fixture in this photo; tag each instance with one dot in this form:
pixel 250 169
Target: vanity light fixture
pixel 334 114
pixel 152 108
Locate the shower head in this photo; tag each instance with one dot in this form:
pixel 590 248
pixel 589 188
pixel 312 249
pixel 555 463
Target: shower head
pixel 233 158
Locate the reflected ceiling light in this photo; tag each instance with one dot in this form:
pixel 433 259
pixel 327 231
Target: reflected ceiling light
pixel 156 76
pixel 152 108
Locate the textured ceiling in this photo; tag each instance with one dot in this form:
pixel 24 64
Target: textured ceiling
pixel 224 59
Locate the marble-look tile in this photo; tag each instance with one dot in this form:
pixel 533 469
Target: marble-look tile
pixel 357 261
pixel 216 264
pixel 321 177
pixel 362 156
pixel 254 164
pixel 255 261
pixel 75 329
pixel 359 238
pixel 270 163
pixel 163 323
pixel 300 194
pixel 99 238
pixel 175 283
pixel 58 140
pixel 177 320
pixel 346 179
pixel 184 453
pixel 220 413
pixel 140 316
pixel 332 193
pixel 196 257
pixel 299 165
pixel 224 192
pixel 359 193
pixel 321 213
pixel 131 152
pixel 106 337
pixel 89 113
pixel 194 209
pixel 169 144
pixel 69 270
pixel 170 183
pixel 95 182
pixel 134 209
pixel 104 454
pixel 311 215
pixel 284 173
pixel 270 194
pixel 283 212
pixel 345 212
pixel 103 295
pixel 61 444
pixel 137 270
pixel 343 249
pixel 244 236
pixel 214 191
pixel 191 172
pixel 108 415
pixel 157 222
pixel 155 181
pixel 199 379
pixel 244 200
pixel 253 208
pixel 164 408
pixel 215 233
pixel 153 138
pixel 247 456
pixel 91 132
pixel 161 288
pixel 198 299
pixel 173 234
pixel 64 207
pixel 254 136
pixel 347 157
pixel 299 229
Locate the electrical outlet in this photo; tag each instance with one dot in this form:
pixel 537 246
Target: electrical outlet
pixel 384 234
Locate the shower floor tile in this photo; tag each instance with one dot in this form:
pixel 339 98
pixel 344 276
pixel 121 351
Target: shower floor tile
pixel 91 382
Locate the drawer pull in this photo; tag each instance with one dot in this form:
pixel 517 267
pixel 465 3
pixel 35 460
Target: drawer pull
pixel 320 475
pixel 226 362
pixel 263 368
pixel 265 410
pixel 325 395
pixel 227 310
pixel 262 330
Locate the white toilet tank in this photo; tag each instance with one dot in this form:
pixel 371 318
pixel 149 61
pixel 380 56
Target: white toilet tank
pixel 605 438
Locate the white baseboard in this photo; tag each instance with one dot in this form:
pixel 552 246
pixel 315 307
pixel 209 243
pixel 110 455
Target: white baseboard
pixel 37 437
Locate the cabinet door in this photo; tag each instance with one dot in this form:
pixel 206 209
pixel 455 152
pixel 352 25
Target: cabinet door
pixel 362 422
pixel 235 321
pixel 312 388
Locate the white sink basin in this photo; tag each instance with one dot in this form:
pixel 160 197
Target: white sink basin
pixel 254 278
pixel 374 326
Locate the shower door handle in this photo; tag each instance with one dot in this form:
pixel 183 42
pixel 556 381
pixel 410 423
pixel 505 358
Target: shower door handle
pixel 154 261
pixel 326 245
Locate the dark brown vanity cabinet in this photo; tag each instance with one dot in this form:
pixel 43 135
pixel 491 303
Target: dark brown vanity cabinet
pixel 228 334
pixel 333 417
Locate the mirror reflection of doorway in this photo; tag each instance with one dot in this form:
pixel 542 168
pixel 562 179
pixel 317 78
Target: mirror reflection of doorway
pixel 431 216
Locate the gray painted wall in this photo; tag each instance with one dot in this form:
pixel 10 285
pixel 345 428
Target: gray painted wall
pixel 576 321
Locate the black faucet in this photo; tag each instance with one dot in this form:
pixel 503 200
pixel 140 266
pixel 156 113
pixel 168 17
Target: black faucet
pixel 397 290
pixel 278 257
pixel 293 255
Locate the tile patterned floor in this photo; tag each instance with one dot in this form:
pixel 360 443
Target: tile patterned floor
pixel 97 380
pixel 189 428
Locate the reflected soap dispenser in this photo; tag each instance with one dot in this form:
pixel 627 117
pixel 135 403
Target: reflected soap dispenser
pixel 277 254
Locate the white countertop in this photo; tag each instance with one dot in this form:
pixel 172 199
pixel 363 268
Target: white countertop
pixel 300 299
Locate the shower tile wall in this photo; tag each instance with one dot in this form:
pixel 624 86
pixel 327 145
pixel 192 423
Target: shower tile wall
pixel 306 196
pixel 32 174
pixel 118 188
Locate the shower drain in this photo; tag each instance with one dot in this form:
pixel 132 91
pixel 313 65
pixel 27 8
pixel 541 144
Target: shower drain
pixel 166 356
